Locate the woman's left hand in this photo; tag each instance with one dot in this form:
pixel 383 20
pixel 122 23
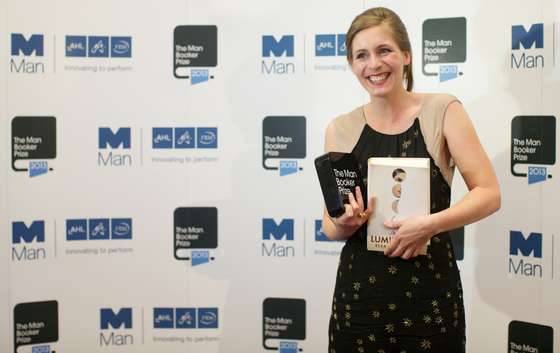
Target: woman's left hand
pixel 411 235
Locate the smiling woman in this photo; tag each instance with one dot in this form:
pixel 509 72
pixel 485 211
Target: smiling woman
pixel 400 301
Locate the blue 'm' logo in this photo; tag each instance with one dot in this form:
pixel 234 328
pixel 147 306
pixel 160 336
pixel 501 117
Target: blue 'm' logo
pixel 122 318
pixel 536 174
pixel 532 244
pixel 34 233
pixel 162 137
pixel 34 45
pixel 535 35
pixel 37 168
pixel 76 229
pixel 99 229
pixel 114 140
pixel 184 137
pixel 207 137
pixel 278 48
pixel 98 47
pixel 121 47
pixel 208 318
pixel 185 317
pixel 121 228
pixel 278 231
pixel 199 76
pixel 163 318
pixel 288 347
pixel 200 257
pixel 76 46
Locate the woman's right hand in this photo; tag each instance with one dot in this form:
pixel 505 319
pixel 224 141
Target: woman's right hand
pixel 354 216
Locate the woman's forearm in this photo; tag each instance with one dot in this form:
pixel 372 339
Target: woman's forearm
pixel 478 203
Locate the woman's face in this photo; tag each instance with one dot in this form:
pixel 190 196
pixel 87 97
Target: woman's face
pixel 377 61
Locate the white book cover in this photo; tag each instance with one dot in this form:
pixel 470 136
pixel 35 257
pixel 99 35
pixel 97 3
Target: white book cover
pixel 401 187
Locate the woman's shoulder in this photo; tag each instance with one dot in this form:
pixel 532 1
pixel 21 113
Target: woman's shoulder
pixel 355 116
pixel 344 131
pixel 435 100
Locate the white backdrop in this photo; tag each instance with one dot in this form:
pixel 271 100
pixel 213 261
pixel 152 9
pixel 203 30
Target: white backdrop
pixel 225 286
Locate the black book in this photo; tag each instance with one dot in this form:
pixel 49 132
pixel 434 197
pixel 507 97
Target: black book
pixel 339 174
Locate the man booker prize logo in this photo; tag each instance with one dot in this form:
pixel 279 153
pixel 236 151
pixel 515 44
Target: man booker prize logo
pixel 195 231
pixel 284 142
pixel 284 324
pixel 444 44
pixel 533 143
pixel 195 48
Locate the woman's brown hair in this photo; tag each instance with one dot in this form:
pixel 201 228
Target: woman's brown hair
pixel 378 16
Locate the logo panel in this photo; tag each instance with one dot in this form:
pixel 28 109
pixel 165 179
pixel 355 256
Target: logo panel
pixel 528 337
pixel 195 228
pixel 195 47
pixel 27 54
pixel 284 140
pixel 284 324
pixel 526 46
pixel 35 324
pixel 444 42
pixel 533 142
pixel 33 139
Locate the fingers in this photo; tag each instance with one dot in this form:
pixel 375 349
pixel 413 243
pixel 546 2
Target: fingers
pixel 355 206
pixel 392 246
pixel 392 224
pixel 359 198
pixel 408 253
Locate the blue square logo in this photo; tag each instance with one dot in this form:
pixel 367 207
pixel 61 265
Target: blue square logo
pixel 37 168
pixel 287 347
pixel 207 137
pixel 98 47
pixel 199 76
pixel 163 318
pixel 341 45
pixel 121 228
pixel 200 257
pixel 41 349
pixel 99 229
pixel 121 47
pixel 162 137
pixel 325 45
pixel 288 167
pixel 448 72
pixel 184 137
pixel 76 229
pixel 76 46
pixel 207 317
pixel 185 318
pixel 319 235
pixel 536 174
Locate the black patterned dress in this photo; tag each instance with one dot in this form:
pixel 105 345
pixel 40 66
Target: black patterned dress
pixel 386 305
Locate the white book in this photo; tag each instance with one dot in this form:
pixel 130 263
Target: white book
pixel 401 187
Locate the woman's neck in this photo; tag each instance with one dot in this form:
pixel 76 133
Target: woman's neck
pixel 394 107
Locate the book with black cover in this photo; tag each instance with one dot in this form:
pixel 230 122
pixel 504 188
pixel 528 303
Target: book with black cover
pixel 339 174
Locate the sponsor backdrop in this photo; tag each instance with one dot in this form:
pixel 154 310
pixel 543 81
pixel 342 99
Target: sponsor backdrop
pixel 158 188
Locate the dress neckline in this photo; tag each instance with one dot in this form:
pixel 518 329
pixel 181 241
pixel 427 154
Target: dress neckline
pixel 414 123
